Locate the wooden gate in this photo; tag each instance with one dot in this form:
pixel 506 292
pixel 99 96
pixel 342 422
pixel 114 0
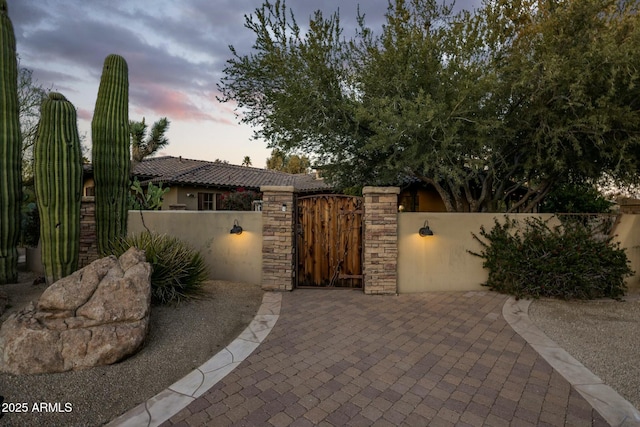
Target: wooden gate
pixel 329 241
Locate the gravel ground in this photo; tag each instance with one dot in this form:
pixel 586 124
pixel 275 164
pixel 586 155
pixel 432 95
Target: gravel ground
pixel 181 338
pixel 604 335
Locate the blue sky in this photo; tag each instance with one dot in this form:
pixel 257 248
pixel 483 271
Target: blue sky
pixel 176 52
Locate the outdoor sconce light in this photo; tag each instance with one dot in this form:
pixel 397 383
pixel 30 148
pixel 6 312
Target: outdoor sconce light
pixel 236 229
pixel 425 230
pixel 284 207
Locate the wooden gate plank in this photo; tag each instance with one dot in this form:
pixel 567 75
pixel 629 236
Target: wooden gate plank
pixel 329 241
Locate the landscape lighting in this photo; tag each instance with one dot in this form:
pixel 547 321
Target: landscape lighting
pixel 236 229
pixel 425 230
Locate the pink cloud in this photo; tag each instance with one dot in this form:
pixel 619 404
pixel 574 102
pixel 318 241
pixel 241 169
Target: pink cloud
pixel 173 104
pixel 225 121
pixel 84 114
pixel 227 109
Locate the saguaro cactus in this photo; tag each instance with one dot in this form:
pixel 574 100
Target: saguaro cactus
pixel 58 182
pixel 10 152
pixel 111 161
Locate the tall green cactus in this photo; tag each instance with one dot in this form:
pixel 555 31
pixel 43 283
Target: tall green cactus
pixel 58 182
pixel 10 152
pixel 111 159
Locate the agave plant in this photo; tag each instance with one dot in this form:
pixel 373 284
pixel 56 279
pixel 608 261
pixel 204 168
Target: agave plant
pixel 178 270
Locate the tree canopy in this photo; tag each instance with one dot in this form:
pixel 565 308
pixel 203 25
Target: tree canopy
pixel 492 107
pixel 290 163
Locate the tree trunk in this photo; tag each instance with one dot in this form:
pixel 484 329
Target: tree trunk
pixel 446 197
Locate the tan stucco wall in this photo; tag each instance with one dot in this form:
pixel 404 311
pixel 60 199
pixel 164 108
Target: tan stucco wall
pixel 185 195
pixel 171 198
pixel 89 182
pixel 627 232
pixel 425 264
pixel 230 257
pixel 441 262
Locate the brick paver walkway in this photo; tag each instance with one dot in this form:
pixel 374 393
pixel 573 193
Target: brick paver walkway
pixel 339 358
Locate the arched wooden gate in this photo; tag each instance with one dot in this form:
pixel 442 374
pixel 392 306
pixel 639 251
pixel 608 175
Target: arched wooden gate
pixel 329 241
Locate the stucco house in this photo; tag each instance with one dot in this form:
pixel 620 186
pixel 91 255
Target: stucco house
pixel 200 184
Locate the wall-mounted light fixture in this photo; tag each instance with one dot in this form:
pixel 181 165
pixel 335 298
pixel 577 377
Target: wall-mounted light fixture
pixel 191 195
pixel 425 230
pixel 284 207
pixel 236 229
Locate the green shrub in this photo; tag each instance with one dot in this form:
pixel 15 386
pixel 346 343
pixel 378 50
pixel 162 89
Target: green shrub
pixel 238 200
pixel 178 270
pixel 575 198
pixel 565 262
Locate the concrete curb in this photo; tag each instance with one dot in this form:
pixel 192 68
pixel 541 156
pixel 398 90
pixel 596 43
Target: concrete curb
pixel 169 402
pixel 616 410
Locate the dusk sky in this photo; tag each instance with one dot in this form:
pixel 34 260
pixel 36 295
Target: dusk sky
pixel 176 52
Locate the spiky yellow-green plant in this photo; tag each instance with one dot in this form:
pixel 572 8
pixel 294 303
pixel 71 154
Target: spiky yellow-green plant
pixel 178 271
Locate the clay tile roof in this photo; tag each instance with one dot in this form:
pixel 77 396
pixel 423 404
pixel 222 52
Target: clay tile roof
pixel 176 170
pixel 165 166
pixel 309 182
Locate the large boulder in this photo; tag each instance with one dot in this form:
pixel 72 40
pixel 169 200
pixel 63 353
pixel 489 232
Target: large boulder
pixel 96 316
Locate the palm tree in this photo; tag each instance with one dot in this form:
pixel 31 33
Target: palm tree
pixel 141 147
pixel 246 161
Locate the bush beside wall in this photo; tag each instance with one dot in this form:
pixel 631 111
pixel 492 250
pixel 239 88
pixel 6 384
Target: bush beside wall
pixel 564 261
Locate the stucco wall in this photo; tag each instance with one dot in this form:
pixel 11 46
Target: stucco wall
pixel 627 232
pixel 183 195
pixel 187 196
pixel 229 257
pixel 88 182
pixel 442 262
pixel 170 198
pixel 425 264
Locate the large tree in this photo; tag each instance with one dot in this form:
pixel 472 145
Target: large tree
pixel 492 107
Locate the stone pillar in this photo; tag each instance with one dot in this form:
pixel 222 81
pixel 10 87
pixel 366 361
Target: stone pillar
pixel 380 267
pixel 277 238
pixel 88 237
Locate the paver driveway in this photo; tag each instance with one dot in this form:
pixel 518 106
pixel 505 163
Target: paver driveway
pixel 343 358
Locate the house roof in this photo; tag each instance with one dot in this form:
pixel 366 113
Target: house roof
pixel 177 170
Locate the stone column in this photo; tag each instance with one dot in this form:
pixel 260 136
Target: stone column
pixel 88 239
pixel 380 240
pixel 277 238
